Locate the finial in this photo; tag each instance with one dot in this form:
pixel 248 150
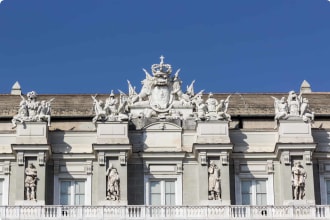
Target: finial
pixel 162 59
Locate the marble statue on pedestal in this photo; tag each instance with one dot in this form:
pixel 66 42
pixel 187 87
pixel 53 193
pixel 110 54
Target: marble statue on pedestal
pixel 32 110
pixel 214 182
pixel 299 176
pixel 113 190
pixel 30 182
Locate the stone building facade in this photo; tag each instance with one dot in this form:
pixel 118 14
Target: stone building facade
pixel 165 147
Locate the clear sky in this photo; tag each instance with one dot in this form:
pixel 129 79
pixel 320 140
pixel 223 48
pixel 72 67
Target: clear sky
pixel 94 46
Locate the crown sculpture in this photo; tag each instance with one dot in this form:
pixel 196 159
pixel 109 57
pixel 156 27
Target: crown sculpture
pixel 161 97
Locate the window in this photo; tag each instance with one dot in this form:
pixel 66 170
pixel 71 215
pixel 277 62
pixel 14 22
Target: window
pixel 72 192
pixel 328 191
pixel 254 192
pixel 162 192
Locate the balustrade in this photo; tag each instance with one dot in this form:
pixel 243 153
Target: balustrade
pixel 164 212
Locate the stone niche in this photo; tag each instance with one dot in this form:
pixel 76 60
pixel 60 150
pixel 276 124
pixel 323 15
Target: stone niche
pixel 32 133
pixel 112 133
pixel 294 130
pixel 210 132
pixel 162 136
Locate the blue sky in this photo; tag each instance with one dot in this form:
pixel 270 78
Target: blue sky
pixel 94 46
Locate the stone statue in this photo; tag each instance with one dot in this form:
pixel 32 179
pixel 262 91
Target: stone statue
pixel 305 111
pixel 295 106
pixel 211 104
pixel 201 108
pixel 100 110
pixel 299 176
pixel 214 182
pixel 43 112
pixel 111 106
pixel 222 110
pixel 32 110
pixel 281 110
pixel 113 192
pixel 30 182
pixel 293 103
pixel 22 115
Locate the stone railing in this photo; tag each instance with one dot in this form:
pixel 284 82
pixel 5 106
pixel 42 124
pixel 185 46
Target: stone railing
pixel 164 212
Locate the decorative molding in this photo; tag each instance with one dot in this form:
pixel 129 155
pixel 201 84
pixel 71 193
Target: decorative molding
pixel 203 160
pixel 179 168
pixel 286 157
pixel 308 157
pixel 89 167
pixel 6 167
pixel 224 158
pixel 20 158
pixel 41 158
pixel 101 158
pixel 270 166
pixel 123 158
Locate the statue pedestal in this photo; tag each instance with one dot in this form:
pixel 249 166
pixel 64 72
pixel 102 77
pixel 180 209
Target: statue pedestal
pixel 112 133
pixel 212 132
pixel 32 133
pixel 295 130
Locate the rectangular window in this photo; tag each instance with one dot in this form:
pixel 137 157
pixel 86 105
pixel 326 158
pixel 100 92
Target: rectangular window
pixel 72 192
pixel 162 192
pixel 254 192
pixel 328 191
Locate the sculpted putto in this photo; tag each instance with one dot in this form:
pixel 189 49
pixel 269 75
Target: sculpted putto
pixel 32 110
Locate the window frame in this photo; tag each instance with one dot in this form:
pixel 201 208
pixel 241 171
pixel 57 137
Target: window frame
pixel 72 189
pixel 254 177
pixel 177 179
pixel 67 177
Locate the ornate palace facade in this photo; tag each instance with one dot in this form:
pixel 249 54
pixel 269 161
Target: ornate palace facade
pixel 165 152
